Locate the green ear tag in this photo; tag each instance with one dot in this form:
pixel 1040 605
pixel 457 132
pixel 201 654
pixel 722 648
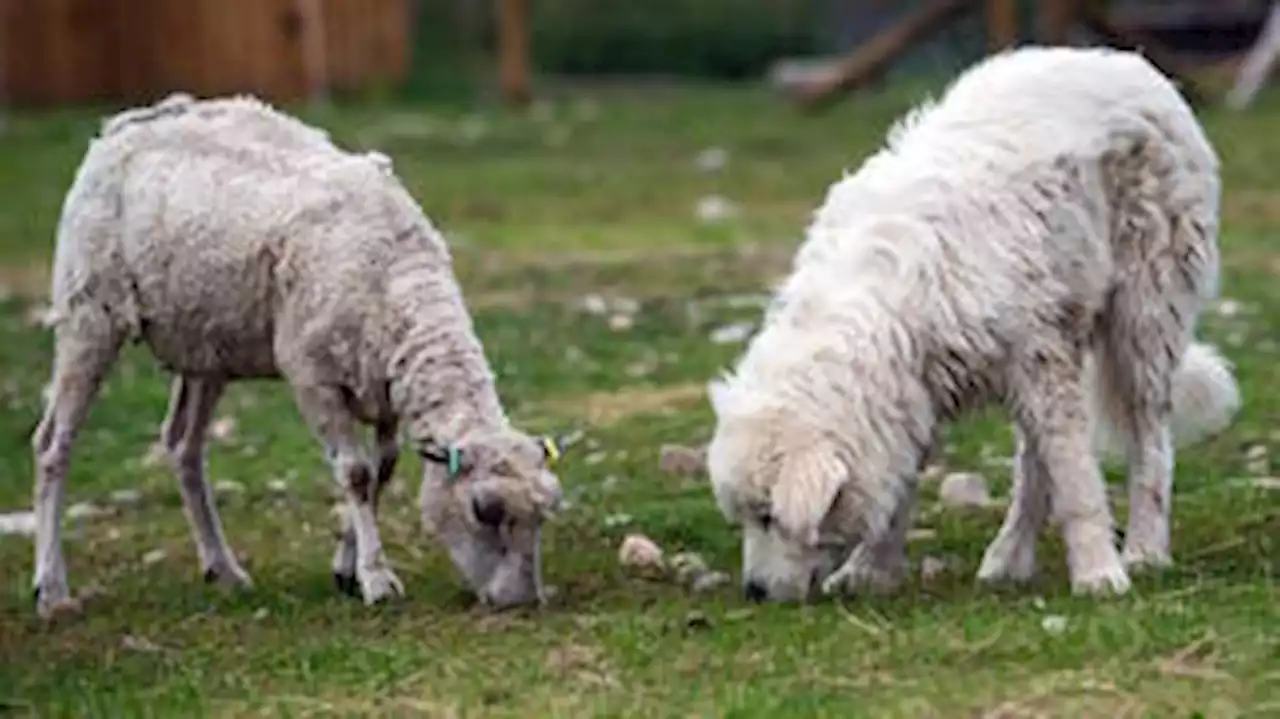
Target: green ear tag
pixel 455 461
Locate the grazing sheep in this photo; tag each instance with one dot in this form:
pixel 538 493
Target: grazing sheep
pixel 1057 209
pixel 238 243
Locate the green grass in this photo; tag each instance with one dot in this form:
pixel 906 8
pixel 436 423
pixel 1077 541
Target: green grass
pixel 597 195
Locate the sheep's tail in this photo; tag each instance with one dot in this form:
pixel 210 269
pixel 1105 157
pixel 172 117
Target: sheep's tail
pixel 175 104
pixel 1205 398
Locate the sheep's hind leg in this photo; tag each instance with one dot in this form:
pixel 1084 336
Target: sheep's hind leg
pixel 344 556
pixel 87 346
pixel 191 404
pixel 326 411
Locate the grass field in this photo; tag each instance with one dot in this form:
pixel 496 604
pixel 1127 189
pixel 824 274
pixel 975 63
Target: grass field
pixel 598 195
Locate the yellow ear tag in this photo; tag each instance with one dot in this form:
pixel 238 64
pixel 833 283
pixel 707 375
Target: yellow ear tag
pixel 553 451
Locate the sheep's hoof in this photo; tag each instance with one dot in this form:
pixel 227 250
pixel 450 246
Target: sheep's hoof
pixel 347 584
pixel 227 575
pixel 379 585
pixel 52 608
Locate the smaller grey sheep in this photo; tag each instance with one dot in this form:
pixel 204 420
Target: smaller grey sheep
pixel 238 243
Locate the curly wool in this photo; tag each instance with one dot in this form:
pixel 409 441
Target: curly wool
pixel 237 242
pixel 329 253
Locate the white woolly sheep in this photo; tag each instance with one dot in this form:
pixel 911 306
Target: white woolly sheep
pixel 1043 237
pixel 237 243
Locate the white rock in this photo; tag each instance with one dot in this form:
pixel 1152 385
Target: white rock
pixel 156 455
pixel 138 644
pixel 223 429
pixel 626 305
pixel 964 489
pixel 277 486
pixel 41 316
pixel 922 534
pixel 639 552
pixel 18 523
pixel 710 581
pixel 225 488
pixel 932 568
pixel 84 510
pixel 617 520
pixel 639 369
pixel 1229 308
pixel 621 322
pixel 1266 482
pixel 677 459
pixel 731 333
pixel 712 159
pixel 1054 624
pixel 260 613
pixel 1257 459
pixel 153 557
pixel 688 566
pixel 714 208
pixel 932 473
pixel 126 497
pixel 595 304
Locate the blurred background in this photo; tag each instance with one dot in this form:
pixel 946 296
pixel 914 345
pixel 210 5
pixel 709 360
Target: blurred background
pixel 74 51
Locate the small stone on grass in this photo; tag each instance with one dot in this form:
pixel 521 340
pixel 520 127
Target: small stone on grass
pixel 964 489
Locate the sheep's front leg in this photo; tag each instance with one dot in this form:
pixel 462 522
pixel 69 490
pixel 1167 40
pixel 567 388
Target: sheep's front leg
pixel 344 557
pixel 327 413
pixel 86 348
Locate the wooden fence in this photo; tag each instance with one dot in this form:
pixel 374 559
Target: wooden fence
pixel 70 51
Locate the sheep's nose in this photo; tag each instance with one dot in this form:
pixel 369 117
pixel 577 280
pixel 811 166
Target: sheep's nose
pixel 755 591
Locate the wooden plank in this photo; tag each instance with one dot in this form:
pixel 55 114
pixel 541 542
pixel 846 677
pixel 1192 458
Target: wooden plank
pixel 68 51
pixel 1093 16
pixel 880 51
pixel 1002 24
pixel 514 74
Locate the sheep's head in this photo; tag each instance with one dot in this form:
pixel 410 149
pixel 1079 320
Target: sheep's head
pixel 485 498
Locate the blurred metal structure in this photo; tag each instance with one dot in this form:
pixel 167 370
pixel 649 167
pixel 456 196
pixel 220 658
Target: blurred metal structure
pixel 75 51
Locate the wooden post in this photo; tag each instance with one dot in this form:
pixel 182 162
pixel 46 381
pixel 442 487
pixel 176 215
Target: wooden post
pixel 315 61
pixel 513 52
pixel 5 28
pixel 1002 24
pixel 1057 18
